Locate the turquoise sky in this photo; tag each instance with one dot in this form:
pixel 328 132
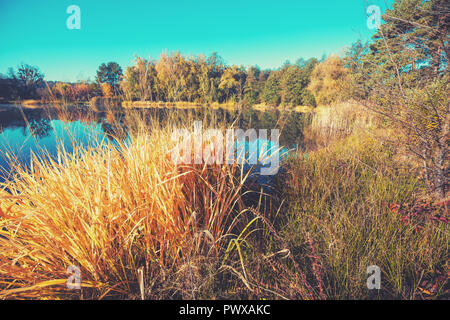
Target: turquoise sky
pixel 247 32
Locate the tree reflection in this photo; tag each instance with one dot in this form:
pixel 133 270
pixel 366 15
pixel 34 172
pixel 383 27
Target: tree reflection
pixel 40 128
pixel 114 126
pixel 117 124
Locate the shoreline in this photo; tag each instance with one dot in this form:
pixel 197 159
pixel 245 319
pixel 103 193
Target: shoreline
pixel 98 105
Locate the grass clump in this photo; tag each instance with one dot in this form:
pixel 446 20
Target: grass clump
pixel 340 199
pixel 123 213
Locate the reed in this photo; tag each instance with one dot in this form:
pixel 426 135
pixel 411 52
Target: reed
pixel 113 209
pixel 334 122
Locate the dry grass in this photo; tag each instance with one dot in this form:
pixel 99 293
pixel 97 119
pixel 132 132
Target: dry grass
pixel 178 105
pixel 139 226
pixel 330 123
pixel 112 210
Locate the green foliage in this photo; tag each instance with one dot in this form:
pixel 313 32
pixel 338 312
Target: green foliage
pixel 338 197
pixel 292 83
pixel 404 73
pixel 109 73
pixel 252 88
pixel 307 98
pixel 271 92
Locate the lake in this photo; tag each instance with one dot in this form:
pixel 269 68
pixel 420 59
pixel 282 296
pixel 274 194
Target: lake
pixel 23 131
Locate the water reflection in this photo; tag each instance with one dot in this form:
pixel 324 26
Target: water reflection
pixel 39 130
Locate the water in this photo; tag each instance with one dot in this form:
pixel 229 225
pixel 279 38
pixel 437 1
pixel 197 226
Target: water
pixel 39 132
pixel 23 131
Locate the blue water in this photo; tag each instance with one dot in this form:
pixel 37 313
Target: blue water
pixel 42 133
pixel 20 142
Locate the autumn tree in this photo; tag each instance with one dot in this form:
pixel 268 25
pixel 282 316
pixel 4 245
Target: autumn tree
pixel 170 73
pixel 216 67
pixel 129 84
pixel 81 91
pixel 204 85
pixel 328 80
pixel 107 90
pixel 61 90
pixel 228 82
pixel 192 80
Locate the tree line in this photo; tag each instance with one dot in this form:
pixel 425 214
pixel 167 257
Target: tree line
pixel 199 79
pixel 175 77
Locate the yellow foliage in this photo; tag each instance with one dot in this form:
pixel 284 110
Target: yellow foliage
pixel 327 81
pixel 107 90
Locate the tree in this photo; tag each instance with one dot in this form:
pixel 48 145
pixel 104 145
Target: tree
pixel 8 88
pixel 216 67
pixel 192 80
pixel 228 82
pixel 328 80
pixel 129 84
pixel 81 91
pixel 293 86
pixel 107 90
pixel 28 79
pixel 61 90
pixel 406 66
pixel 171 74
pixel 204 88
pixel 110 73
pixel 252 87
pixel 271 92
pixel 139 81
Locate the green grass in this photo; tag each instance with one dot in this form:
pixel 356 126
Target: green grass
pixel 338 197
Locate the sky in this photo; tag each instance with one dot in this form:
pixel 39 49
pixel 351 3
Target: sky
pixel 243 32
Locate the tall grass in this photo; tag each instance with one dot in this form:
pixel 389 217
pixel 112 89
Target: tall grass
pixel 139 226
pixel 339 197
pixel 329 123
pixel 111 210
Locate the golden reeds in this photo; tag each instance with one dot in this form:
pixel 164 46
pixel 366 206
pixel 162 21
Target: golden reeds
pixel 110 210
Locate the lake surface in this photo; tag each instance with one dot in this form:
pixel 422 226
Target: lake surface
pixel 23 131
